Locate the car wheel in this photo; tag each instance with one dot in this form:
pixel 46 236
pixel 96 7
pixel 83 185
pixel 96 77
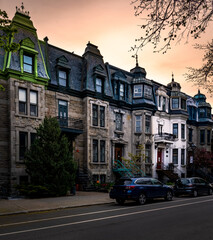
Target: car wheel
pixel 120 201
pixel 195 194
pixel 210 191
pixel 169 196
pixel 142 199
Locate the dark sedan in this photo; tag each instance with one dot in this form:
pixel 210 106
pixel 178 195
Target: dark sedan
pixel 192 186
pixel 140 189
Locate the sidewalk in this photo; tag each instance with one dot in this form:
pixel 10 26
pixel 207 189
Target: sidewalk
pixel 14 206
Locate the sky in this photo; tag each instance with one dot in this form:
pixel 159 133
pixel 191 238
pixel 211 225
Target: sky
pixel 112 26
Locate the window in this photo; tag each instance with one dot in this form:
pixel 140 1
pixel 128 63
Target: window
pixel 148 124
pixel 138 91
pixel 121 91
pixel 147 92
pixel 102 178
pixel 202 112
pixel 208 137
pixel 63 113
pixel 95 150
pixel 22 101
pixel 175 103
pixel 28 63
pixel 102 116
pixel 32 138
pixel 102 151
pixel 118 121
pixel 182 156
pixel 175 130
pixel 98 115
pixel 182 131
pixel 208 112
pixel 160 129
pixel 183 103
pixel 95 115
pixel 33 103
pixel 202 136
pixel 159 101
pixel 190 134
pixel 175 156
pixel 116 88
pixel 148 153
pixel 99 85
pixel 62 78
pixel 99 147
pixel 138 122
pixel 22 144
pixel 164 104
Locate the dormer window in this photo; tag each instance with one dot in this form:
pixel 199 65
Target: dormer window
pixel 183 104
pixel 121 91
pixel 99 85
pixel 147 92
pixel 175 103
pixel 62 78
pixel 28 63
pixel 138 91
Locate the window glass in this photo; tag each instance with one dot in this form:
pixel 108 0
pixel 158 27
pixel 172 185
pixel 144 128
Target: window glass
pixel 122 91
pixel 208 112
pixel 102 116
pixel 62 78
pixel 102 178
pixel 148 124
pixel 175 156
pixel 164 104
pixel 22 101
pixel 202 136
pixel 22 144
pixel 148 153
pixel 190 134
pixel 33 103
pixel 95 150
pixel 138 91
pixel 138 124
pixel 99 85
pixel 175 103
pixel 182 131
pixel 95 115
pixel 202 112
pixel 183 103
pixel 175 130
pixel 28 63
pixel 102 151
pixel 208 136
pixel 118 121
pixel 147 92
pixel 182 156
pixel 63 113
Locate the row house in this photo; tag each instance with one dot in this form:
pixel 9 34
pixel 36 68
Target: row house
pixel 106 113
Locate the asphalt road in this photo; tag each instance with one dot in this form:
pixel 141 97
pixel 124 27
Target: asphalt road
pixel 182 219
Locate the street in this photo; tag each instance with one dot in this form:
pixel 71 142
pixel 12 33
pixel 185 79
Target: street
pixel 183 218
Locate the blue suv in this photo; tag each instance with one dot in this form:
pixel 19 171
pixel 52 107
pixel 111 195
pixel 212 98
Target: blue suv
pixel 140 189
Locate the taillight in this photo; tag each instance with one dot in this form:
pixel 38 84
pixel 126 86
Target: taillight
pixel 129 187
pixel 189 185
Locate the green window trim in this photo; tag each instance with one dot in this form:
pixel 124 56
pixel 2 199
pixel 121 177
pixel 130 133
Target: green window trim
pixel 34 54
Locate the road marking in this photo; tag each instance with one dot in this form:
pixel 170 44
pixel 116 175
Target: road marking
pixel 103 218
pixel 80 214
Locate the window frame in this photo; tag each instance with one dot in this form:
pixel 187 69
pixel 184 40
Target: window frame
pixel 138 123
pixel 94 115
pixel 175 128
pixel 174 104
pixel 138 94
pixel 95 151
pixel 23 147
pixel 183 135
pixel 148 92
pixel 202 136
pixel 118 121
pixel 183 156
pixel 24 103
pixel 99 88
pixel 61 70
pixel 34 105
pixel 147 124
pixel 175 155
pixel 31 56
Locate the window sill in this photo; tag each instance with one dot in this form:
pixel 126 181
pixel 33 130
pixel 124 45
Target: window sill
pixel 98 127
pixel 98 163
pixel 28 116
pixel 138 133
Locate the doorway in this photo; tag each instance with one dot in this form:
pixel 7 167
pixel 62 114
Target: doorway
pixel 159 158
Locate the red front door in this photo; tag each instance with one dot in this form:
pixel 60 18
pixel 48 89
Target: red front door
pixel 159 159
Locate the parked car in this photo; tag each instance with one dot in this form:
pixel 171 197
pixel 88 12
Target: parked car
pixel 140 189
pixel 192 186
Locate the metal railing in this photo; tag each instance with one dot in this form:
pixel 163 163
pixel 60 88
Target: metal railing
pixel 70 123
pixel 164 136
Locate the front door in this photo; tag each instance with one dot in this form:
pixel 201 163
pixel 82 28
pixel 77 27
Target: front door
pixel 118 152
pixel 159 158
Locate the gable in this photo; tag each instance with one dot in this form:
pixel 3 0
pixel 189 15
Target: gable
pixel 27 42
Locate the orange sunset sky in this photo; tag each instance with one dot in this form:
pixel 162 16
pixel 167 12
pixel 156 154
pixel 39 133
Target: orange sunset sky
pixel 112 26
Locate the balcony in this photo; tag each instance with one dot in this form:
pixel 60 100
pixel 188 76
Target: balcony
pixel 164 138
pixel 72 125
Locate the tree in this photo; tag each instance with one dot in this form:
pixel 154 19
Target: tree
pixel 49 161
pixel 169 21
pixel 165 21
pixel 7 33
pixel 203 76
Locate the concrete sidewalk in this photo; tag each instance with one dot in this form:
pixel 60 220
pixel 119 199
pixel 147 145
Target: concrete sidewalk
pixel 14 206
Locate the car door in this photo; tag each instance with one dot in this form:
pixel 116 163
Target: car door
pixel 204 186
pixel 158 188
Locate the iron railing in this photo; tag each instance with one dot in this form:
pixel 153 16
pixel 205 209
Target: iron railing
pixel 70 123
